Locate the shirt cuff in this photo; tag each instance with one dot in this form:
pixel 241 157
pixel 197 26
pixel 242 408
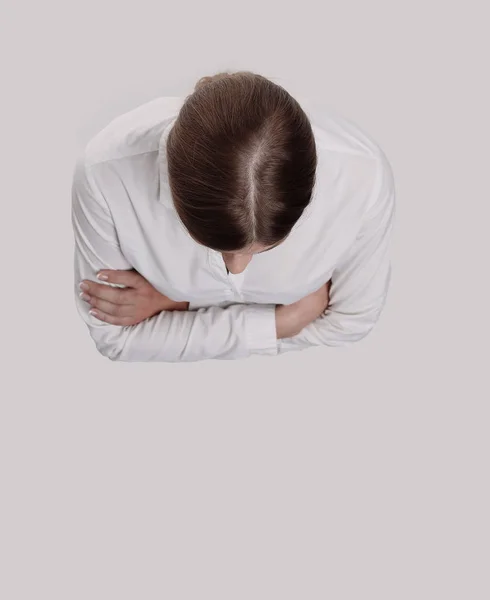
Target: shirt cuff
pixel 260 326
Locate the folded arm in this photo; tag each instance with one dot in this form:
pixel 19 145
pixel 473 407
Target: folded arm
pixel 359 284
pixel 225 333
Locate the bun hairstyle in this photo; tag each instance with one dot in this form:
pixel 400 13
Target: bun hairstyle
pixel 241 161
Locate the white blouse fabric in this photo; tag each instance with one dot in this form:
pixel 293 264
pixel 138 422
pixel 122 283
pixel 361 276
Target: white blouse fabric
pixel 123 218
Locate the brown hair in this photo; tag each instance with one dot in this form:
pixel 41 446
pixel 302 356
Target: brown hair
pixel 241 161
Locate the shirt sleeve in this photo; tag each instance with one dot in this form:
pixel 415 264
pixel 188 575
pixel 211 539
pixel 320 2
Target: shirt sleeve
pixel 361 280
pixel 236 331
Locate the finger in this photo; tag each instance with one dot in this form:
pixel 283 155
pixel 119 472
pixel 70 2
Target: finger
pixel 115 310
pixel 106 292
pixel 130 278
pixel 111 319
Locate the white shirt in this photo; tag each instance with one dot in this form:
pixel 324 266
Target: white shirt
pixel 124 218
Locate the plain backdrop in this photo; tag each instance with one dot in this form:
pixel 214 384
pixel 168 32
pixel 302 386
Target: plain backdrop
pixel 343 474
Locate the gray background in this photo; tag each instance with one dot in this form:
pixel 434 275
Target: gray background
pixel 351 473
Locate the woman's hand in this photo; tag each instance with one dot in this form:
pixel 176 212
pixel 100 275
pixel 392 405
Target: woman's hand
pixel 292 318
pixel 138 301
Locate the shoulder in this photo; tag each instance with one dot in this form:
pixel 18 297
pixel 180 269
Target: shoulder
pixel 335 132
pixel 134 132
pixel 350 151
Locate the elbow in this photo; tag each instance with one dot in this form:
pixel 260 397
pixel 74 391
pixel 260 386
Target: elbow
pixel 344 331
pixel 347 337
pixel 362 332
pixel 112 352
pixel 110 342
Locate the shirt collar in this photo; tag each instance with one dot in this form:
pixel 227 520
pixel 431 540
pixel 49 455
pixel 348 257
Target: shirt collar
pixel 164 194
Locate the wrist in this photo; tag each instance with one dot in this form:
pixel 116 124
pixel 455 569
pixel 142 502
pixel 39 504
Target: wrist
pixel 165 303
pixel 181 306
pixel 171 305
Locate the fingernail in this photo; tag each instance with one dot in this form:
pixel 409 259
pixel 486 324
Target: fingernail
pixel 102 276
pixel 92 312
pixel 84 286
pixel 84 296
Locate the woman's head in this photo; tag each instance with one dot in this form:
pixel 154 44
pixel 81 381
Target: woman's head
pixel 241 162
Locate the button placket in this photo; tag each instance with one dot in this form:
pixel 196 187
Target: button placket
pixel 218 268
pixel 217 261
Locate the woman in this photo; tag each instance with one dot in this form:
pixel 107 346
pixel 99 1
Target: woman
pixel 232 222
